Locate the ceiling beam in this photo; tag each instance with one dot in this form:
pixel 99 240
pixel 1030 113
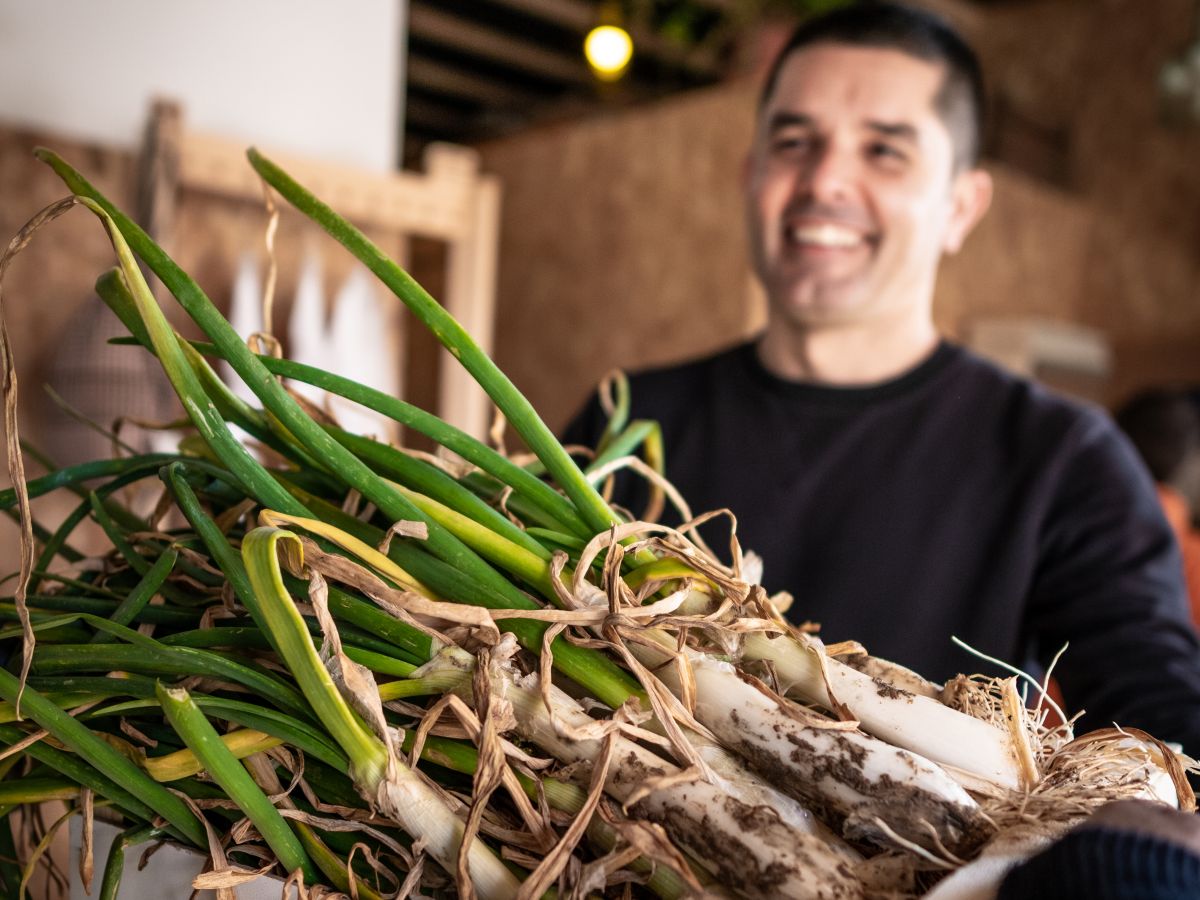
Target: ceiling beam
pixel 458 82
pixel 471 37
pixel 576 15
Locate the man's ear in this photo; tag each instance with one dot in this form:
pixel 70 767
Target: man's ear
pixel 971 197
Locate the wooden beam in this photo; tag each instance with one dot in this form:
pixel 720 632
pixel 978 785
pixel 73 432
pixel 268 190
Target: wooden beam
pixel 457 82
pixel 576 15
pixel 723 6
pixel 437 204
pixel 471 37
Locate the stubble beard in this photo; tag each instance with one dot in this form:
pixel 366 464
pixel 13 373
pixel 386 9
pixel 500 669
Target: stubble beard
pixel 811 301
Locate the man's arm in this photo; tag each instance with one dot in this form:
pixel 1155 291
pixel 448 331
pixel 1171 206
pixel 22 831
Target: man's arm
pixel 1129 848
pixel 1109 582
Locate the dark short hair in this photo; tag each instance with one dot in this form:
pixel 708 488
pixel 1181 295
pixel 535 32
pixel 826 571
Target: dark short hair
pixel 923 35
pixel 1164 426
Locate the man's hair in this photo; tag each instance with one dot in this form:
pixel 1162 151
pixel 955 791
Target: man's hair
pixel 960 101
pixel 1164 426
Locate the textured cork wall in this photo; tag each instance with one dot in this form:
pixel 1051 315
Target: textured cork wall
pixel 622 236
pixel 1086 75
pixel 620 243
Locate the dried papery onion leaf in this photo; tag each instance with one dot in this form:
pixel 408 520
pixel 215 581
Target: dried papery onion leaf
pixel 14 457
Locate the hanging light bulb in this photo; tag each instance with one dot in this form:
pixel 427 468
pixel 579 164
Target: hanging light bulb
pixel 608 47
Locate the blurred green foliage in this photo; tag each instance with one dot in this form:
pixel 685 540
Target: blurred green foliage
pixel 693 23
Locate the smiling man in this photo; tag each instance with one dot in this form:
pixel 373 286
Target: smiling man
pixel 902 489
pixel 855 186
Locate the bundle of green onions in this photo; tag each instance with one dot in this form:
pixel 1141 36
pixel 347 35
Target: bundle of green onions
pixel 365 672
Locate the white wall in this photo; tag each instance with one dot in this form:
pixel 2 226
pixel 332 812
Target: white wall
pixel 306 76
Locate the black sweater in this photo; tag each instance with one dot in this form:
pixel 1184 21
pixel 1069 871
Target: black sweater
pixel 1106 864
pixel 955 499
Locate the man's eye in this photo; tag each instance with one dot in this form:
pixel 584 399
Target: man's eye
pixel 791 142
pixel 884 151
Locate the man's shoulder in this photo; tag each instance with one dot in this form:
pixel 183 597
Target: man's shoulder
pixel 977 374
pixel 1027 407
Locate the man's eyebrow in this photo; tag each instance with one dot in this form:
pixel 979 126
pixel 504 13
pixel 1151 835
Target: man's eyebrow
pixel 782 120
pixel 901 130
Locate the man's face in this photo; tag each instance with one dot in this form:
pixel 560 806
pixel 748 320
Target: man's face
pixel 851 188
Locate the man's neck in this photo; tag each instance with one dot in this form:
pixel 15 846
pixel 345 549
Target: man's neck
pixel 845 355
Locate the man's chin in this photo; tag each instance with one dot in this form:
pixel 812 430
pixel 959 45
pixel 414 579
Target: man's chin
pixel 827 307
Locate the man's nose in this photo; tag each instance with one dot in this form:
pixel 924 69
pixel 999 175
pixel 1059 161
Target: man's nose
pixel 830 175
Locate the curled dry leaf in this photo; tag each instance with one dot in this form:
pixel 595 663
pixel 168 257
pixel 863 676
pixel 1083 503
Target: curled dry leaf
pixel 405 529
pixel 406 605
pixel 547 873
pixel 355 682
pixel 16 460
pixel 225 879
pixel 87 863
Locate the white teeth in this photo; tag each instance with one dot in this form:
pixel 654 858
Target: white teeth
pixel 826 236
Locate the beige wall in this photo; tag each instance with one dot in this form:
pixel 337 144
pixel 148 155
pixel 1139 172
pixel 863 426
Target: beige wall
pixel 622 236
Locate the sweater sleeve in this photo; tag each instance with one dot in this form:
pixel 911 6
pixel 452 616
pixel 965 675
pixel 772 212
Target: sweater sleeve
pixel 1109 582
pixel 1106 864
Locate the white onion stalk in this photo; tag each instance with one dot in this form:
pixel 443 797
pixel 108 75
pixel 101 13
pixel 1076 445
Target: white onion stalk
pixel 803 671
pixel 889 701
pixel 749 849
pixel 872 790
pixel 877 792
pixel 750 788
pixel 917 723
pixel 379 775
pixel 854 655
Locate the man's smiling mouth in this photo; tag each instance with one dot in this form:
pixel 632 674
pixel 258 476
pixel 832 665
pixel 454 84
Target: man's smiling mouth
pixel 825 236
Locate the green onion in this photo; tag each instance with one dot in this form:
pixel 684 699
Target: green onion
pixel 104 758
pixel 380 777
pixel 202 739
pixel 37 790
pixel 596 513
pixel 140 596
pixel 114 866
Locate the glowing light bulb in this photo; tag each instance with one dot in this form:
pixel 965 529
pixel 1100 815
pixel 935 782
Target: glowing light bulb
pixel 608 50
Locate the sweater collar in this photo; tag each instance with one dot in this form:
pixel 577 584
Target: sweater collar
pixel 906 383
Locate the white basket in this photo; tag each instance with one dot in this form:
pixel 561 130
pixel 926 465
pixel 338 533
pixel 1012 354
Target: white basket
pixel 168 874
